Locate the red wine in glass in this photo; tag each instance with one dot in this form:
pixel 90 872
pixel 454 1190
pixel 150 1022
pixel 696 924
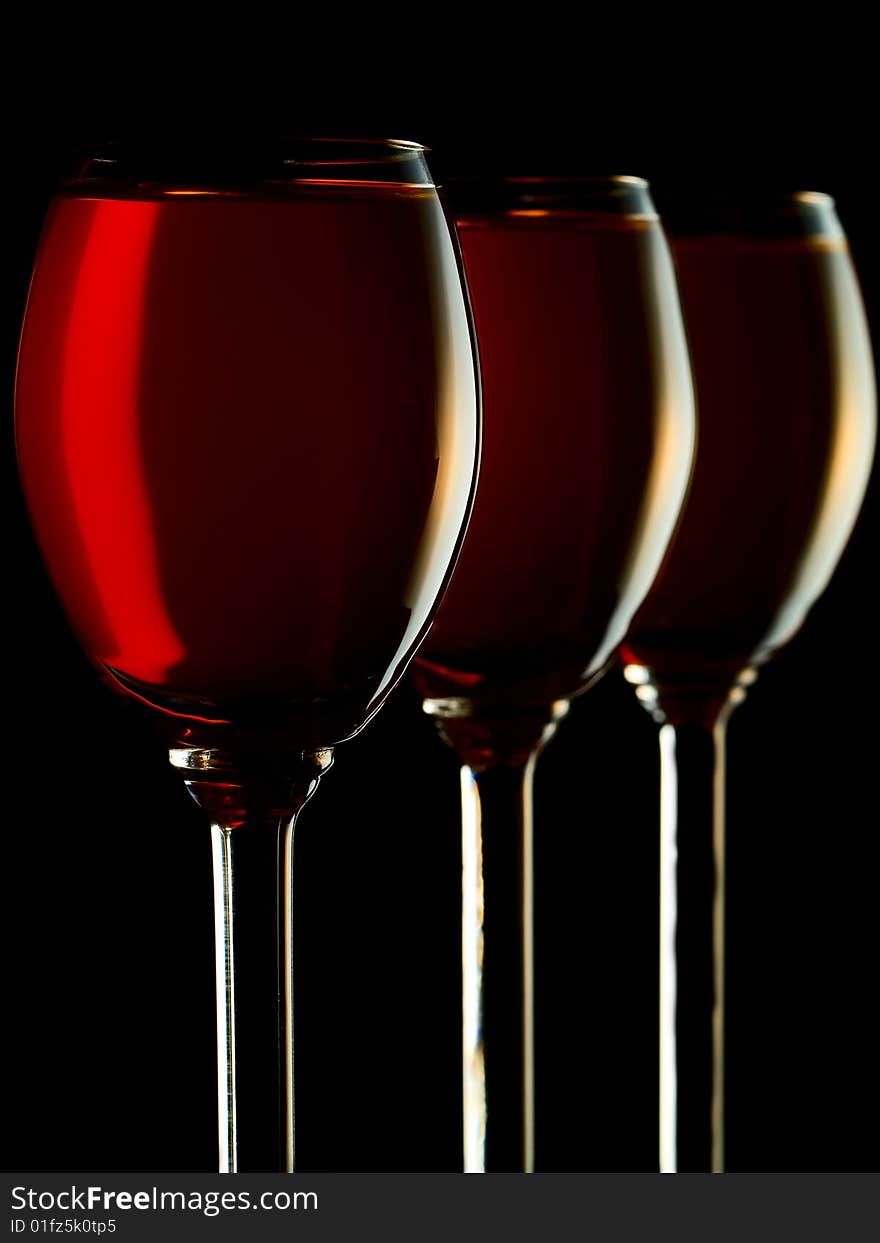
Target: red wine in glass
pixel 588 446
pixel 230 473
pixel 587 452
pixel 247 424
pixel 785 390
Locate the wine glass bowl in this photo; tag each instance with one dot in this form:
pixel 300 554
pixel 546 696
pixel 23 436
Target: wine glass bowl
pixel 589 437
pixel 786 392
pixel 251 456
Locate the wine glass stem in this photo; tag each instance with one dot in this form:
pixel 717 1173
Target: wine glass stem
pixel 692 948
pixel 252 923
pixel 497 971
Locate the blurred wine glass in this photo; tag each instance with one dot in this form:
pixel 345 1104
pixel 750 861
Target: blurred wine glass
pixel 786 397
pixel 589 430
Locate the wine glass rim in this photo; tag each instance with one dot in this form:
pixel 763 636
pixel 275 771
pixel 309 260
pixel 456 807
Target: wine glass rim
pixel 814 198
pixel 593 179
pixel 287 150
pixel 750 196
pixel 555 180
pixel 402 148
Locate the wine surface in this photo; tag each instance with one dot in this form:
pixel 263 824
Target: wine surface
pixel 247 431
pixel 786 432
pixel 588 435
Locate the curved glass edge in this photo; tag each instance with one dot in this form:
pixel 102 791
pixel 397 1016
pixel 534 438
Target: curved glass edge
pixel 752 213
pixel 614 195
pixel 215 164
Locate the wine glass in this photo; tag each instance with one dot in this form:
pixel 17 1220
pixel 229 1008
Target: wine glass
pixel 785 387
pixel 589 438
pixel 247 417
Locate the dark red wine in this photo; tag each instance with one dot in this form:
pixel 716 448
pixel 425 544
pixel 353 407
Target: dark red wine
pixel 786 399
pixel 247 430
pixel 588 439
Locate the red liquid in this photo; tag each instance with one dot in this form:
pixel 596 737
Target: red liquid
pixel 785 393
pixel 247 433
pixel 587 447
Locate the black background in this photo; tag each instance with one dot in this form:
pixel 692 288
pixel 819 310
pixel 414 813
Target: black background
pixel 109 1025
